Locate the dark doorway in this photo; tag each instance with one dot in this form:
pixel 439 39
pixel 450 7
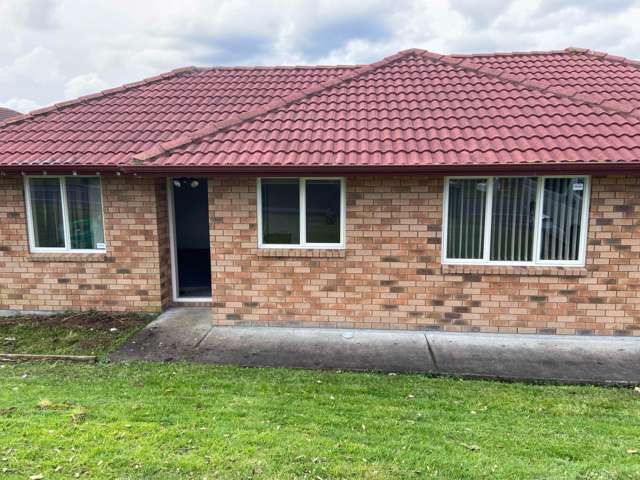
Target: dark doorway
pixel 192 245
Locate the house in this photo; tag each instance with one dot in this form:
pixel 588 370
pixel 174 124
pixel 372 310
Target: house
pixel 488 193
pixel 7 113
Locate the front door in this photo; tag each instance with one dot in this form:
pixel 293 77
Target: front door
pixel 191 248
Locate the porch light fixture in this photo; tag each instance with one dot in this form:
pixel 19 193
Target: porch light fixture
pixel 179 182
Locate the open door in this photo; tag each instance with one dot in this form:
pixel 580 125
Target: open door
pixel 190 245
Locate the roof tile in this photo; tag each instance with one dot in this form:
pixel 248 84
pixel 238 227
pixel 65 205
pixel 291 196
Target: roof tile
pixel 6 114
pixel 415 108
pixel 163 108
pixel 537 124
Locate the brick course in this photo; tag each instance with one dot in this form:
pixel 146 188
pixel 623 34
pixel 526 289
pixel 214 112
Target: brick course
pixel 128 277
pixel 390 275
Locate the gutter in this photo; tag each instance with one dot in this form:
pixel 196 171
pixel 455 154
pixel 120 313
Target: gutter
pixel 60 169
pixel 439 170
pixel 282 170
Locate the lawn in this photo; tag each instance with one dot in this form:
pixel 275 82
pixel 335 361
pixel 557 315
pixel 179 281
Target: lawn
pixel 180 420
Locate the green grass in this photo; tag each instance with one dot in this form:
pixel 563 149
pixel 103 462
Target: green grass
pixel 71 333
pixel 167 421
pixel 171 421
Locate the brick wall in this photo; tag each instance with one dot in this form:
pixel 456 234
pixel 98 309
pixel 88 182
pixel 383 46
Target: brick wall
pixel 132 275
pixel 390 274
pixel 163 243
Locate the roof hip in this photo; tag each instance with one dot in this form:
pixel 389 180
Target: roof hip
pixel 104 93
pixel 161 148
pixel 604 56
pixel 460 62
pixel 569 93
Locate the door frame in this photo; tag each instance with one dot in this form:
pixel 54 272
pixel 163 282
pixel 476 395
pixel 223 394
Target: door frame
pixel 172 245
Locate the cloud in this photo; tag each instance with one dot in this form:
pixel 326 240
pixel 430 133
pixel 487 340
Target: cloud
pixel 597 6
pixel 84 85
pixel 22 105
pixel 31 14
pixel 480 14
pixel 39 65
pixel 54 50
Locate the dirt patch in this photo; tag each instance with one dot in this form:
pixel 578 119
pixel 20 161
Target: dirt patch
pixel 70 333
pixel 91 319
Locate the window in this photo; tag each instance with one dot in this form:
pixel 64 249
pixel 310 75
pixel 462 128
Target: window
pixel 301 212
pixel 64 214
pixel 516 220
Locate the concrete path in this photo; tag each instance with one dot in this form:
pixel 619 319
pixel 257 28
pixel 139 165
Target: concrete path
pixel 187 334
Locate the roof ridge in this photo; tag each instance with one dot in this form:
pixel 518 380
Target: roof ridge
pixel 56 107
pixel 277 67
pixel 162 147
pixel 604 56
pixel 509 54
pixel 562 92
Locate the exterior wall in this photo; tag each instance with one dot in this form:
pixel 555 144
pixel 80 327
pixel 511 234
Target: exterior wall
pixel 163 243
pixel 132 275
pixel 390 275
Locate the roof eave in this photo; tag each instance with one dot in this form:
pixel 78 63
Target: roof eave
pixel 440 170
pixel 60 169
pixel 595 168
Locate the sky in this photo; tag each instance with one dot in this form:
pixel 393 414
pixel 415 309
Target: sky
pixel 55 50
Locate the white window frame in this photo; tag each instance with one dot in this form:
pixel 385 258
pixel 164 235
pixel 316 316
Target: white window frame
pixel 580 262
pixel 303 220
pixel 62 179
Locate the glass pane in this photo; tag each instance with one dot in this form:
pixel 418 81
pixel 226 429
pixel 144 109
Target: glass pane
pixel 46 212
pixel 323 211
pixel 85 213
pixel 280 211
pixel 562 218
pixel 465 238
pixel 513 219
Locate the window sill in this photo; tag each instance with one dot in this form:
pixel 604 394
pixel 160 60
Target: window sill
pixel 527 270
pixel 68 257
pixel 301 252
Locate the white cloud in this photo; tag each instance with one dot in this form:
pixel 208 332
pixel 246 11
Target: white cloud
pixel 53 50
pixel 22 105
pixel 32 14
pixel 84 85
pixel 40 65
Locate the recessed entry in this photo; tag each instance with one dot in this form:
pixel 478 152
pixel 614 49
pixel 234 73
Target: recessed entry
pixel 191 248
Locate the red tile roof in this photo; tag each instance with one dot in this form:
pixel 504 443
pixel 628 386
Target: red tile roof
pixel 415 109
pixel 6 114
pixel 109 127
pixel 586 71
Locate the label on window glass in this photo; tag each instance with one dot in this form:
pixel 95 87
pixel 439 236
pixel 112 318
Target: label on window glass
pixel 100 246
pixel 578 187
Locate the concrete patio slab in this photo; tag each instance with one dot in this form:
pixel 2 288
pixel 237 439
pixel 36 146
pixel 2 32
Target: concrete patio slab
pixel 601 360
pixel 172 336
pixel 316 348
pixel 188 334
